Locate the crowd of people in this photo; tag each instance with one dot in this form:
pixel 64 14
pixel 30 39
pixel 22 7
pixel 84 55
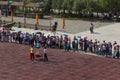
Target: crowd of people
pixel 103 48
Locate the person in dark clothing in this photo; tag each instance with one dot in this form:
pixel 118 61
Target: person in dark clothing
pixel 81 44
pixel 91 28
pixel 91 46
pixel 85 45
pixel 107 50
pixel 55 27
pixel 73 45
pixel 118 52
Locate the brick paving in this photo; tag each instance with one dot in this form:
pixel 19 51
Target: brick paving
pixel 15 65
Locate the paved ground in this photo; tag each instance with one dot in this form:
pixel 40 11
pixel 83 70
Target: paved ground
pixel 71 26
pixel 15 65
pixel 108 33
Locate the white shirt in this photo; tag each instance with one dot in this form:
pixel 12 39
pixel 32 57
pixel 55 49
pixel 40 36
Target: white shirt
pixel 45 51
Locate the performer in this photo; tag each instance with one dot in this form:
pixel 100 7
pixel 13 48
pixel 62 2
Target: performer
pixel 32 53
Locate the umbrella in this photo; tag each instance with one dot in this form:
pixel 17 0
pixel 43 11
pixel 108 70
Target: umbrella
pixel 79 36
pixel 49 34
pixel 84 37
pixel 38 46
pixel 1 28
pixel 65 35
pixel 16 31
pixel 36 33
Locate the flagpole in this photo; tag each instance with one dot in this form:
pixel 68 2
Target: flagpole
pixel 0 17
pixel 63 23
pixel 50 23
pixel 37 21
pixel 12 16
pixel 24 16
pixel 0 13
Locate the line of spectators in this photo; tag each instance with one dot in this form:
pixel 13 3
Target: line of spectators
pixel 62 42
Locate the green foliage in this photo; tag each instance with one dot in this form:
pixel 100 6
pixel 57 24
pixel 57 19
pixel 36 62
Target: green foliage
pixel 79 8
pixel 48 6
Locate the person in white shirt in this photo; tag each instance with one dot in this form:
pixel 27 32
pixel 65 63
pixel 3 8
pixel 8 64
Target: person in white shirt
pixel 45 54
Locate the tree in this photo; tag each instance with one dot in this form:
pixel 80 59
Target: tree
pixel 54 4
pixel 48 6
pixel 25 2
pixel 67 7
pixel 59 3
pixel 78 6
pixel 64 6
pixel 87 7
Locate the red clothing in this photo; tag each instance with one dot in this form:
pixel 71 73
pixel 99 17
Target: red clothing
pixel 32 56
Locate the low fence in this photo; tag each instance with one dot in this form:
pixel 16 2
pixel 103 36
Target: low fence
pixel 29 15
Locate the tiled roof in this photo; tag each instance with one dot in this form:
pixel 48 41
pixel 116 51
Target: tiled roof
pixel 3 2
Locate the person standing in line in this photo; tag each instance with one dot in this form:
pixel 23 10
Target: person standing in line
pixel 110 49
pixel 45 54
pixel 114 49
pixel 90 45
pixel 32 53
pixel 81 44
pixel 69 44
pixel 73 45
pixel 117 51
pixel 85 45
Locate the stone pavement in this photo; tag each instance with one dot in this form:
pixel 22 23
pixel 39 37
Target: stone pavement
pixel 108 33
pixel 15 65
pixel 71 26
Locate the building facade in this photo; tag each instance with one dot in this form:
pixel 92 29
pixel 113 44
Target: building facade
pixel 17 5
